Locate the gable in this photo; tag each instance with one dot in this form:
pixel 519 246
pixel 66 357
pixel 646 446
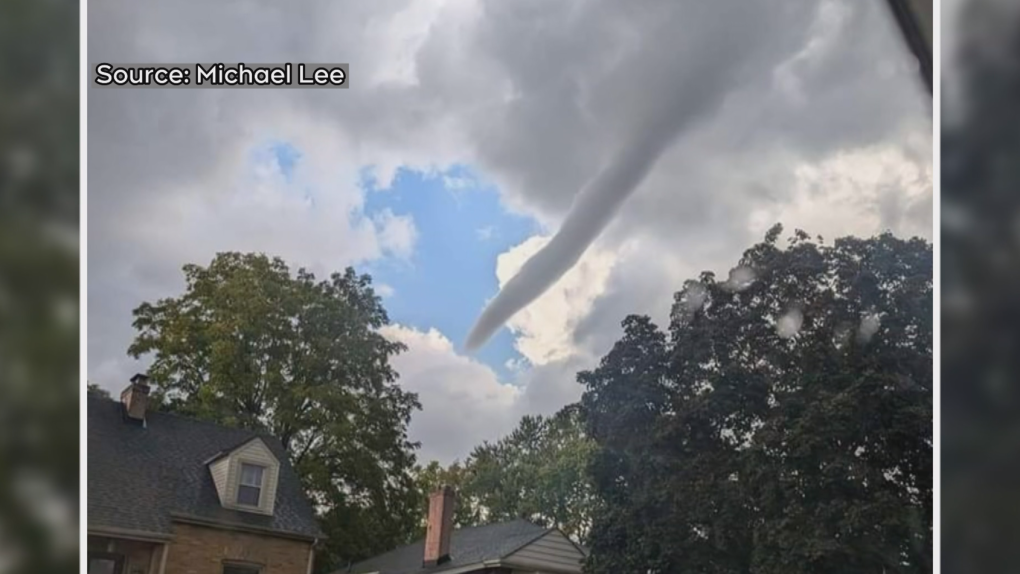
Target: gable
pixel 226 474
pixel 220 470
pixel 553 552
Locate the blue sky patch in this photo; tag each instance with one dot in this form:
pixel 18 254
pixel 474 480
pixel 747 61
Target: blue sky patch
pixel 287 157
pixel 462 228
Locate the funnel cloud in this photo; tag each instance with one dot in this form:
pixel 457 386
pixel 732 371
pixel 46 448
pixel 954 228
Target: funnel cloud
pixel 682 94
pixel 591 212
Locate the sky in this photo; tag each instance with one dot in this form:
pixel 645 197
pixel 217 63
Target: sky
pixel 467 132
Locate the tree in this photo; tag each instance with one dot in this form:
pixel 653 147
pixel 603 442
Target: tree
pixel 538 472
pixel 251 345
pixel 782 424
pixel 97 390
pixel 432 476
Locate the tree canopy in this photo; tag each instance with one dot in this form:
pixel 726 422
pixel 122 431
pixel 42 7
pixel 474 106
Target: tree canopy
pixel 538 472
pixel 782 423
pixel 250 344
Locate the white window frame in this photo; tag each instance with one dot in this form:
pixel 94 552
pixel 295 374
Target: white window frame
pixel 263 469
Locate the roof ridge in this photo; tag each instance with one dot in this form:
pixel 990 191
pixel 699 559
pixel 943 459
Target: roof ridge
pixel 488 525
pixel 254 433
pixel 576 544
pixel 229 450
pixel 527 537
pixel 544 532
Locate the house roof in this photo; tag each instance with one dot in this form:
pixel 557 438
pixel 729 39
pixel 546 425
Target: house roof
pixel 141 478
pixel 468 546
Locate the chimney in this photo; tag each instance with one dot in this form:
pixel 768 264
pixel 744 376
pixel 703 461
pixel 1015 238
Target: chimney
pixel 439 527
pixel 136 397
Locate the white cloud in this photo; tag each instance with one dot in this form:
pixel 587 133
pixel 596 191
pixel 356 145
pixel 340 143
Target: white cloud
pixel 544 330
pixel 820 126
pixel 383 290
pixel 485 233
pixel 861 191
pixel 396 233
pixel 463 402
pixel 457 183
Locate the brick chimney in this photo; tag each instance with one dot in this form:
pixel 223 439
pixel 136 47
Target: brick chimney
pixel 439 527
pixel 136 398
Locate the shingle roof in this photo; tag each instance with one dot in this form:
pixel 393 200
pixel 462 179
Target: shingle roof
pixel 138 477
pixel 468 546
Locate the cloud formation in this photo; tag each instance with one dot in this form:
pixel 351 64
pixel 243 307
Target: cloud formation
pixel 777 112
pixel 686 87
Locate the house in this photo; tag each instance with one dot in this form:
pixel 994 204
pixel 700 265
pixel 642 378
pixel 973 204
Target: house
pixel 173 495
pixel 515 547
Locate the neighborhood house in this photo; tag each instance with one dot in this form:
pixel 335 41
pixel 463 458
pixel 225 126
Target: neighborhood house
pixel 170 494
pixel 515 547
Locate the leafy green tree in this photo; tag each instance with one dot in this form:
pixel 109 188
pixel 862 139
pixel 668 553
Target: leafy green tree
pixel 783 424
pixel 253 345
pixel 434 475
pixel 538 472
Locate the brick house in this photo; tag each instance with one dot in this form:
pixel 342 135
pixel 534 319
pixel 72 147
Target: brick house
pixel 515 547
pixel 173 495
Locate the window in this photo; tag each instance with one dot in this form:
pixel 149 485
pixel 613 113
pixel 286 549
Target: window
pixel 241 568
pixel 105 563
pixel 249 490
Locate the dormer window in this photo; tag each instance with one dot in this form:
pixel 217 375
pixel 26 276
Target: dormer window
pixel 246 477
pixel 249 489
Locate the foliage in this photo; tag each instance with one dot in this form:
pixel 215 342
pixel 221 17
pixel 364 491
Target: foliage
pixel 430 478
pixel 97 390
pixel 538 472
pixel 249 344
pixel 782 424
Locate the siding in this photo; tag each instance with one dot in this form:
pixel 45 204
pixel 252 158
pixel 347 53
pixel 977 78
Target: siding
pixel 253 452
pixel 553 552
pixel 220 473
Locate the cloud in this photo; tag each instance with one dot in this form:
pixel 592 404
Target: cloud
pixel 383 290
pixel 820 124
pixel 457 183
pixel 543 330
pixel 863 190
pixel 396 233
pixel 686 89
pixel 462 400
pixel 314 217
pixel 485 233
